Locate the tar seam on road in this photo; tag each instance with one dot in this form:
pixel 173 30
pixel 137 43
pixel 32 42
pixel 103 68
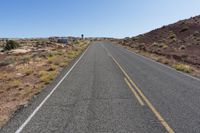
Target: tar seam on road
pixel 149 104
pixel 134 92
pixel 47 97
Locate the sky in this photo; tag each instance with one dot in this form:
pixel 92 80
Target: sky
pixel 93 18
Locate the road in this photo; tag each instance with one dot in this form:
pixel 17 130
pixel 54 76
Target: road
pixel 112 90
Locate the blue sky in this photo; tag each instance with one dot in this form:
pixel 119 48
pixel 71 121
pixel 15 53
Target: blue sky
pixel 101 18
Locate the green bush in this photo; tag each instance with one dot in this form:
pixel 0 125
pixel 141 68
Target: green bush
pixel 11 45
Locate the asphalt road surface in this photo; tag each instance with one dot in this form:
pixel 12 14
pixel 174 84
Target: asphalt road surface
pixel 112 90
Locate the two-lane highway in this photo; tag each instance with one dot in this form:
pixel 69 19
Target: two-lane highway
pixel 110 89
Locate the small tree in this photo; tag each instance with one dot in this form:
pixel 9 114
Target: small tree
pixel 82 36
pixel 11 45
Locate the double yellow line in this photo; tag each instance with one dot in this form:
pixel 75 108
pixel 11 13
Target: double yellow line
pixel 134 92
pixel 140 96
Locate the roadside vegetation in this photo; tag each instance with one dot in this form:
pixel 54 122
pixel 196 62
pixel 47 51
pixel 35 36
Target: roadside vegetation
pixel 11 45
pixel 183 67
pixel 26 68
pixel 177 45
pixel 180 66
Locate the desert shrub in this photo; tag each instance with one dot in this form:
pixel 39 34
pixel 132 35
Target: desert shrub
pixel 11 45
pixel 60 52
pixel 47 77
pixel 196 33
pixel 183 23
pixel 27 71
pixel 172 36
pixel 163 27
pixel 52 53
pixel 54 60
pixel 183 67
pixel 72 54
pixel 47 54
pixel 42 55
pixel 76 42
pixel 8 61
pixel 63 64
pixel 165 46
pixel 141 46
pixel 25 58
pixel 162 60
pixel 15 83
pixel 182 47
pixel 52 67
pixel 198 39
pixel 155 44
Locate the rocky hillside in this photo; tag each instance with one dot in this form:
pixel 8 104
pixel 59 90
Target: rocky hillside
pixel 179 41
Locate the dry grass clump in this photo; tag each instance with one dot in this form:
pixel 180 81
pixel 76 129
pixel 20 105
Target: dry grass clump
pixel 28 71
pixel 182 67
pixel 72 54
pixel 15 83
pixel 8 60
pixel 47 76
pixel 163 60
pixel 25 58
pixel 52 67
pixel 56 60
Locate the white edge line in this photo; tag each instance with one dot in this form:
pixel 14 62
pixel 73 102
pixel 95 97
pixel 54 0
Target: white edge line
pixel 160 63
pixel 47 97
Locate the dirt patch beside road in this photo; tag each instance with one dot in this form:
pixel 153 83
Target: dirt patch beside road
pixel 24 73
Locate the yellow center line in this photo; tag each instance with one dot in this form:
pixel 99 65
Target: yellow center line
pixel 134 92
pixel 149 104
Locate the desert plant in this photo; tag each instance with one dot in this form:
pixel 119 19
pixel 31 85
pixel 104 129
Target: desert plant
pixel 54 60
pixel 11 45
pixel 172 35
pixel 182 47
pixel 196 33
pixel 63 64
pixel 46 77
pixel 52 53
pixel 72 54
pixel 25 58
pixel 52 67
pixel 165 46
pixel 183 67
pixel 7 61
pixel 27 71
pixel 15 83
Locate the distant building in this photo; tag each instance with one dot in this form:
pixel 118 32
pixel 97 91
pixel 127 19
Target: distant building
pixel 62 40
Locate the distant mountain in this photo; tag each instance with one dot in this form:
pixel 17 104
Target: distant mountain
pixel 180 41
